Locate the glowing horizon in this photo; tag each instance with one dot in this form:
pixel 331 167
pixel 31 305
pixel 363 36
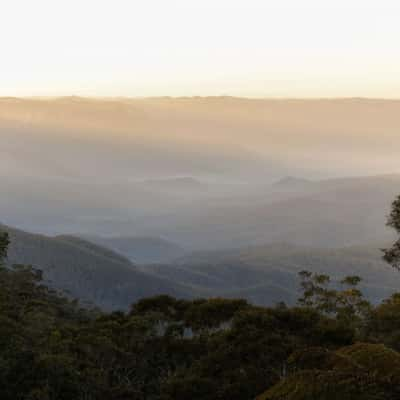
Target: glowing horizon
pixel 253 49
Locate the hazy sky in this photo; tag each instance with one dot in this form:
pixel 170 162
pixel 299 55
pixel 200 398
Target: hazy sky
pixel 263 48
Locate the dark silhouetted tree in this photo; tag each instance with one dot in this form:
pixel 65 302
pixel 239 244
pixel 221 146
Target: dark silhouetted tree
pixel 392 255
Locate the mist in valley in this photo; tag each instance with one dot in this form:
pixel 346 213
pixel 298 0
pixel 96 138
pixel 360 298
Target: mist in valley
pixel 204 173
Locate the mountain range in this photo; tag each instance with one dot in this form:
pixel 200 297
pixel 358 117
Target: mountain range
pixel 264 275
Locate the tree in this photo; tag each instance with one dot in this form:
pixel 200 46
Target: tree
pixel 4 242
pixel 392 255
pixel 384 323
pixel 346 304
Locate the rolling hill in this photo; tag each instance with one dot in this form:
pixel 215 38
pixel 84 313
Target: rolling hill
pixel 269 274
pixel 91 273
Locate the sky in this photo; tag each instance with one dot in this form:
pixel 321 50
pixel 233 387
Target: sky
pixel 138 48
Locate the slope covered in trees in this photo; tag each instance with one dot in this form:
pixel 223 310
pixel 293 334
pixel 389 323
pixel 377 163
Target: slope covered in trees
pixel 87 271
pixel 333 343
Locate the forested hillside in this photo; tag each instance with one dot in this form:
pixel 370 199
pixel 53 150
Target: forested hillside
pixel 333 344
pixel 87 271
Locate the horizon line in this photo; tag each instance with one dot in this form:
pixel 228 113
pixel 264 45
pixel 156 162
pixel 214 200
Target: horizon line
pixel 195 97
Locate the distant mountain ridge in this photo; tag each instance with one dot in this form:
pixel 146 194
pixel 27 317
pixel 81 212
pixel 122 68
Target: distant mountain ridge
pixel 269 273
pixel 198 136
pixel 292 182
pixel 327 214
pixel 139 249
pixel 183 182
pixel 320 213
